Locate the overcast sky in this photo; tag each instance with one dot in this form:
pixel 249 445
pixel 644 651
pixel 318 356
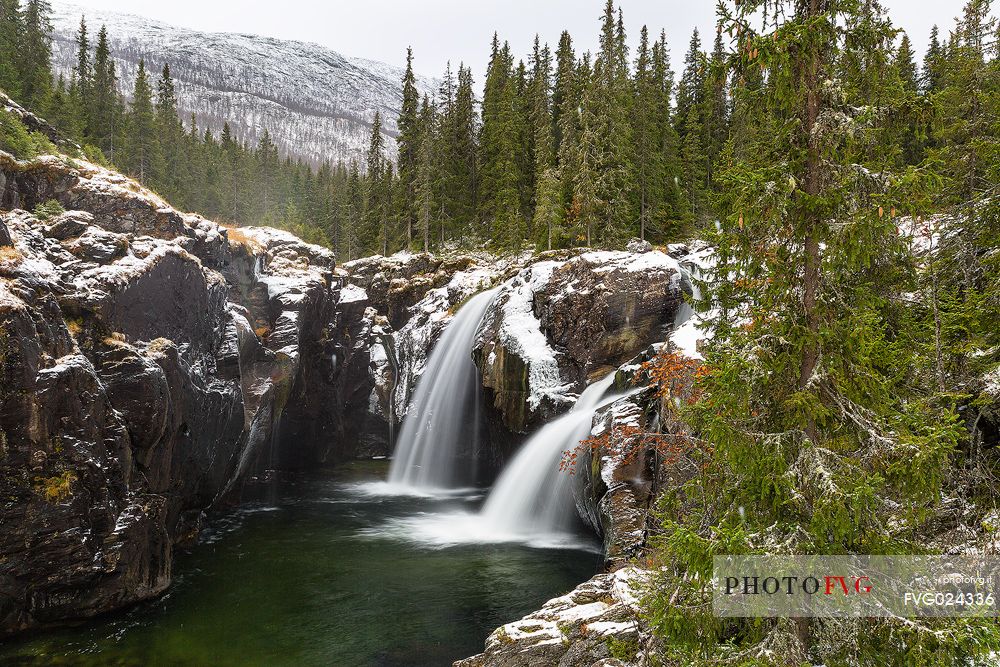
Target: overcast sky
pixel 442 30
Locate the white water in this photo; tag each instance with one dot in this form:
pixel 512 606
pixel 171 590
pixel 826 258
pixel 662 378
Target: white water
pixel 443 414
pixel 533 496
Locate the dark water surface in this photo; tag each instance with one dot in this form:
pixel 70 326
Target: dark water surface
pixel 309 578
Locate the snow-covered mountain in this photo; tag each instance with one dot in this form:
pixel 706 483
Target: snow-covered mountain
pixel 316 103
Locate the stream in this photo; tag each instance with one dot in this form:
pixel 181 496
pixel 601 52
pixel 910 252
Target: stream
pixel 318 573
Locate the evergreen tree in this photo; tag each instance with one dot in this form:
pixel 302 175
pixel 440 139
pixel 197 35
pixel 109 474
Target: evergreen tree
pixel 540 93
pixel 566 102
pixel 606 144
pixel 931 74
pixel 691 89
pixel 11 29
pixel 376 236
pixel 806 402
pixel 144 156
pixel 425 178
pixel 34 54
pixel 104 117
pixel 266 164
pixel 408 143
pixel 83 71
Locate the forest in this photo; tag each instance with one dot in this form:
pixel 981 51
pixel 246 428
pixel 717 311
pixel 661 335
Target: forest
pixel 845 400
pixel 561 149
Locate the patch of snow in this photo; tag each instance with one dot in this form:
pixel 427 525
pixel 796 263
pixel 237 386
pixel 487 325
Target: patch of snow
pixel 521 332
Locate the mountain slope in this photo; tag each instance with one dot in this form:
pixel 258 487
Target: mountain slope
pixel 316 103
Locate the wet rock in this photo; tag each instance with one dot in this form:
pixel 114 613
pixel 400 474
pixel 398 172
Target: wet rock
pixel 579 629
pixel 557 325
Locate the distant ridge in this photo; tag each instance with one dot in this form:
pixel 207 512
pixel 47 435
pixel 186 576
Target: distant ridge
pixel 316 103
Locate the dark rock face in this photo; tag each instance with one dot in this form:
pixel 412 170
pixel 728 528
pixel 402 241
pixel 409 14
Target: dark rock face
pixel 559 324
pixel 144 378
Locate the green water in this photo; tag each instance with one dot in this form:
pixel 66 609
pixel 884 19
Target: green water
pixel 311 577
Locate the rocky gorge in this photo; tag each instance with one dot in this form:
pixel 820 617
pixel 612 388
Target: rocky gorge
pixel 152 363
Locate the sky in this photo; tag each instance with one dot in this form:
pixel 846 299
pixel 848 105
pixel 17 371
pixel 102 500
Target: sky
pixel 461 30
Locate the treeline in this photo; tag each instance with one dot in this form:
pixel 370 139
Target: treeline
pixel 562 149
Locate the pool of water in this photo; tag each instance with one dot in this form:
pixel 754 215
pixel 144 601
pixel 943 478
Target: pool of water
pixel 321 574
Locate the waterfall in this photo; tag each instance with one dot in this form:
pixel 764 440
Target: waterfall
pixel 533 496
pixel 444 410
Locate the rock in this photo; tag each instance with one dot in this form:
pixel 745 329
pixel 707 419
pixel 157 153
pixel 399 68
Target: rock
pixel 577 629
pixel 152 361
pixel 69 225
pixel 557 325
pixel 638 246
pixel 98 245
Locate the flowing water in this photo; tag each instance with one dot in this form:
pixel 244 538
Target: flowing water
pixel 533 496
pixel 312 578
pixel 444 410
pixel 532 501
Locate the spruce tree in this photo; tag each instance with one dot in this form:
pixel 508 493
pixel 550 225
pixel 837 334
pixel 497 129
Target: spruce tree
pixel 807 414
pixel 104 117
pixel 11 28
pixel 144 156
pixel 83 71
pixel 606 143
pixel 34 54
pixel 540 93
pixel 691 89
pixel 375 237
pixel 408 144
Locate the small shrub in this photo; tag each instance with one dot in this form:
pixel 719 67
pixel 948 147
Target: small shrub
pixel 18 141
pixel 75 326
pixel 10 256
pixel 95 155
pixel 56 489
pixel 48 210
pixel 14 137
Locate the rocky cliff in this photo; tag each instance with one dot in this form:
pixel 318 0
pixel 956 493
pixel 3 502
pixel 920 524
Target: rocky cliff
pixel 153 361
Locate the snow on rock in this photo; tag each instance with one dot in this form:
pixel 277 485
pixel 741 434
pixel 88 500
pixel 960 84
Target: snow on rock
pixel 559 324
pixel 429 317
pixel 572 629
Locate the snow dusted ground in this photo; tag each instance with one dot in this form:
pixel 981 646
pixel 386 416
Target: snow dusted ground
pixel 316 103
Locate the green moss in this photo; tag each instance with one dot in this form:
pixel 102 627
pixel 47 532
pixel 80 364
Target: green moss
pixel 623 649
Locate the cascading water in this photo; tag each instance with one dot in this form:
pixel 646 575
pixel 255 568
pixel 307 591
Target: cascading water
pixel 445 404
pixel 533 496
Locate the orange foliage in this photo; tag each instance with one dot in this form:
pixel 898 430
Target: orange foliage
pixel 673 376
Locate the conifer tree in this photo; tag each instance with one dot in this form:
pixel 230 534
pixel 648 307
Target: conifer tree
pixel 144 156
pixel 931 72
pixel 541 133
pixel 376 235
pixel 34 53
pixel 566 102
pixel 408 143
pixel 464 127
pixel 83 71
pixel 104 117
pixel 11 29
pixel 649 170
pixel 691 89
pixel 606 143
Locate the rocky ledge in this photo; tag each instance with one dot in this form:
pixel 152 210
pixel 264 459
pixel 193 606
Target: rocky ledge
pixel 595 625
